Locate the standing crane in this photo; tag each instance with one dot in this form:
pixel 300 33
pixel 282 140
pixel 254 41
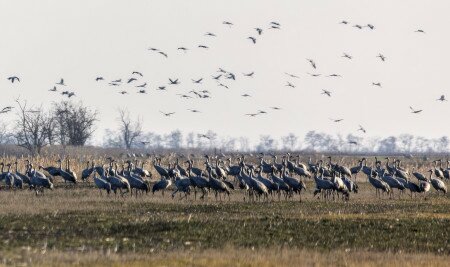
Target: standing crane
pixel 438 184
pixel 378 184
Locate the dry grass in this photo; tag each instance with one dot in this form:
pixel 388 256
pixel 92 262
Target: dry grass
pixel 225 257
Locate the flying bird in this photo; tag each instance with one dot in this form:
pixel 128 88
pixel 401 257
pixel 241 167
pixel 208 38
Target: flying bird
pixel 161 88
pixel 231 76
pixel 370 26
pixel 275 108
pixel 347 56
pixel 162 53
pixel 174 81
pixel 117 81
pixel 12 79
pixel 291 75
pixel 142 92
pixel 442 98
pixel 142 85
pixel 227 23
pixel 353 142
pixel 131 80
pixel 99 79
pixel 290 85
pixel 196 93
pixel 217 77
pixel 334 75
pixel 362 129
pixel 203 46
pixel 376 84
pixel 344 22
pixel 184 49
pixel 61 82
pixel 336 120
pixel 357 26
pixel 167 114
pixel 382 57
pixel 137 73
pixel 210 34
pixel 197 81
pixel 249 74
pixel 246 95
pixel 223 85
pixel 252 38
pixel 184 96
pixel 53 89
pixel 314 74
pixel 326 92
pixel 421 31
pixel 252 114
pixel 194 110
pixel 123 92
pixel 415 111
pixel 313 64
pixel 204 136
pixel 259 30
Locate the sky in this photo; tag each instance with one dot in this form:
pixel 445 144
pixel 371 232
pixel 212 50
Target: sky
pixel 43 41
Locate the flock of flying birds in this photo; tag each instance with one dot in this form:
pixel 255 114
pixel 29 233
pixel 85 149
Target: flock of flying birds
pixel 222 75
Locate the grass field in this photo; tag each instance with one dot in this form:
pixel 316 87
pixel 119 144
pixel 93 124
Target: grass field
pixel 78 226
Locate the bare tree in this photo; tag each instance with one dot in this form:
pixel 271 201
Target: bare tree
pixel 244 143
pixel 129 130
pixel 388 145
pixel 6 137
pixel 289 141
pixel 174 140
pixel 32 128
pixel 406 141
pixel 190 140
pixel 228 144
pixel 212 137
pixel 443 143
pixel 266 143
pixel 75 123
pixel 112 139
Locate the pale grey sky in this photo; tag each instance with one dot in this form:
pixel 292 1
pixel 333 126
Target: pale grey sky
pixel 43 41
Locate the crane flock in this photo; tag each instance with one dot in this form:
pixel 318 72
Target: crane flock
pixel 263 179
pixel 223 77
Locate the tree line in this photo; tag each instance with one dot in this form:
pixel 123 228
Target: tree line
pixel 73 124
pixel 313 141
